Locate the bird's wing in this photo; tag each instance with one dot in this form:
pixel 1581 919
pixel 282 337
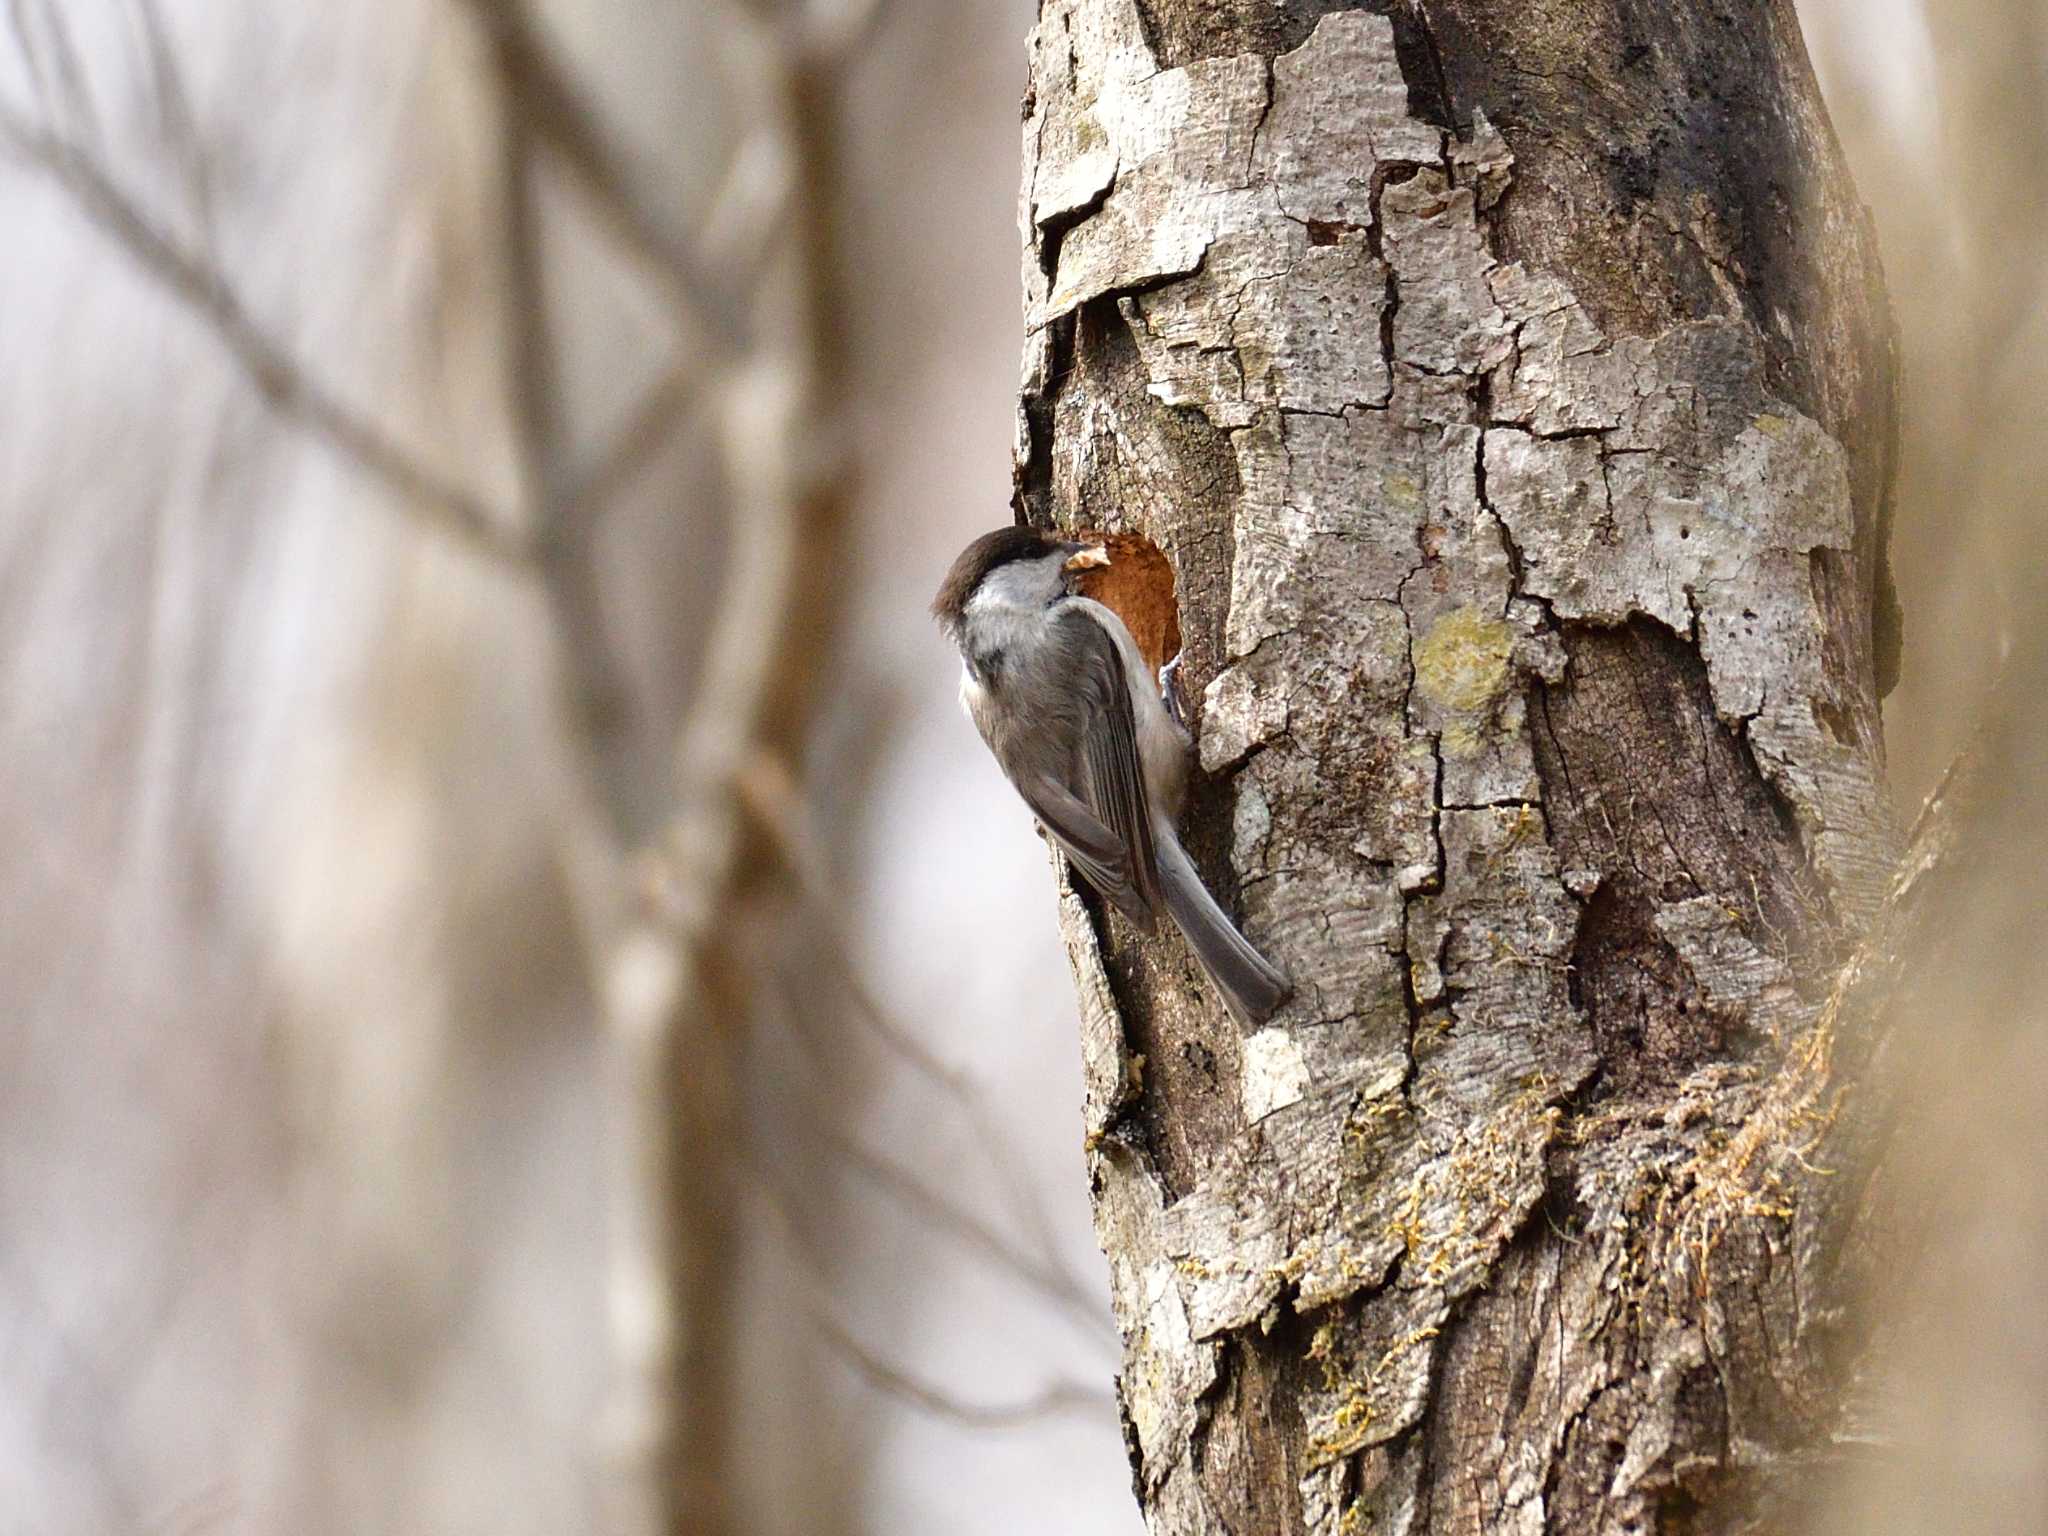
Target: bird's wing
pixel 1092 848
pixel 1111 779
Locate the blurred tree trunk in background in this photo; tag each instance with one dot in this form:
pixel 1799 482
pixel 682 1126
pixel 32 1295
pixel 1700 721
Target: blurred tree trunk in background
pixel 1513 392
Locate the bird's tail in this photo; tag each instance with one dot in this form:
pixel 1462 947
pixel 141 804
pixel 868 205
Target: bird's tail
pixel 1252 987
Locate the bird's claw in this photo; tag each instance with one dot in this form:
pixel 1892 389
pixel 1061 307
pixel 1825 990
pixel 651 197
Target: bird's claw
pixel 1169 690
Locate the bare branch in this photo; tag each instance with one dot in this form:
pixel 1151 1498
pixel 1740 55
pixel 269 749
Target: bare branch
pixel 973 1233
pixel 667 989
pixel 650 423
pixel 1059 1397
pixel 662 1427
pixel 541 89
pixel 594 693
pixel 772 796
pixel 53 65
pixel 177 123
pixel 752 203
pixel 278 377
pixel 750 207
pixel 530 361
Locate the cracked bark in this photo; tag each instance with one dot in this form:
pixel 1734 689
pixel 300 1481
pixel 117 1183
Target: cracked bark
pixel 1513 397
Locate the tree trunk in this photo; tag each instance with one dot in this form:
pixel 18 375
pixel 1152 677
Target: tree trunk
pixel 1511 389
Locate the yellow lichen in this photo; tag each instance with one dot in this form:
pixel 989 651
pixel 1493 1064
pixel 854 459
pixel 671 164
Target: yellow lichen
pixel 1351 1424
pixel 1403 490
pixel 1461 666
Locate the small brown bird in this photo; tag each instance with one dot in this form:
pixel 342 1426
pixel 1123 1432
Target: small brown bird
pixel 1055 681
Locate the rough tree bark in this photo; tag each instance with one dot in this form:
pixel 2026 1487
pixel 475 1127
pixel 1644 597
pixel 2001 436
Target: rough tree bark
pixel 1511 388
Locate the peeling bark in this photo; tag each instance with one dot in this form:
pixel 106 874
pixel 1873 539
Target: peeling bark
pixel 1513 397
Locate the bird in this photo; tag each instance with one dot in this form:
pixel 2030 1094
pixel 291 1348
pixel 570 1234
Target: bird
pixel 1065 699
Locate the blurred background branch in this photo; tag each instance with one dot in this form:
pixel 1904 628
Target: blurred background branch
pixel 282 382
pixel 539 91
pixel 671 880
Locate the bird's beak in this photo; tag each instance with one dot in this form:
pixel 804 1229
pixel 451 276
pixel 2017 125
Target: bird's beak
pixel 1088 557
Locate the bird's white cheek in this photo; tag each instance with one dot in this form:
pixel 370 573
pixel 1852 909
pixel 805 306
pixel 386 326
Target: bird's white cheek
pixel 971 692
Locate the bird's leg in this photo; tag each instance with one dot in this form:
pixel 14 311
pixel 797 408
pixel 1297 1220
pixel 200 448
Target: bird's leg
pixel 1169 690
